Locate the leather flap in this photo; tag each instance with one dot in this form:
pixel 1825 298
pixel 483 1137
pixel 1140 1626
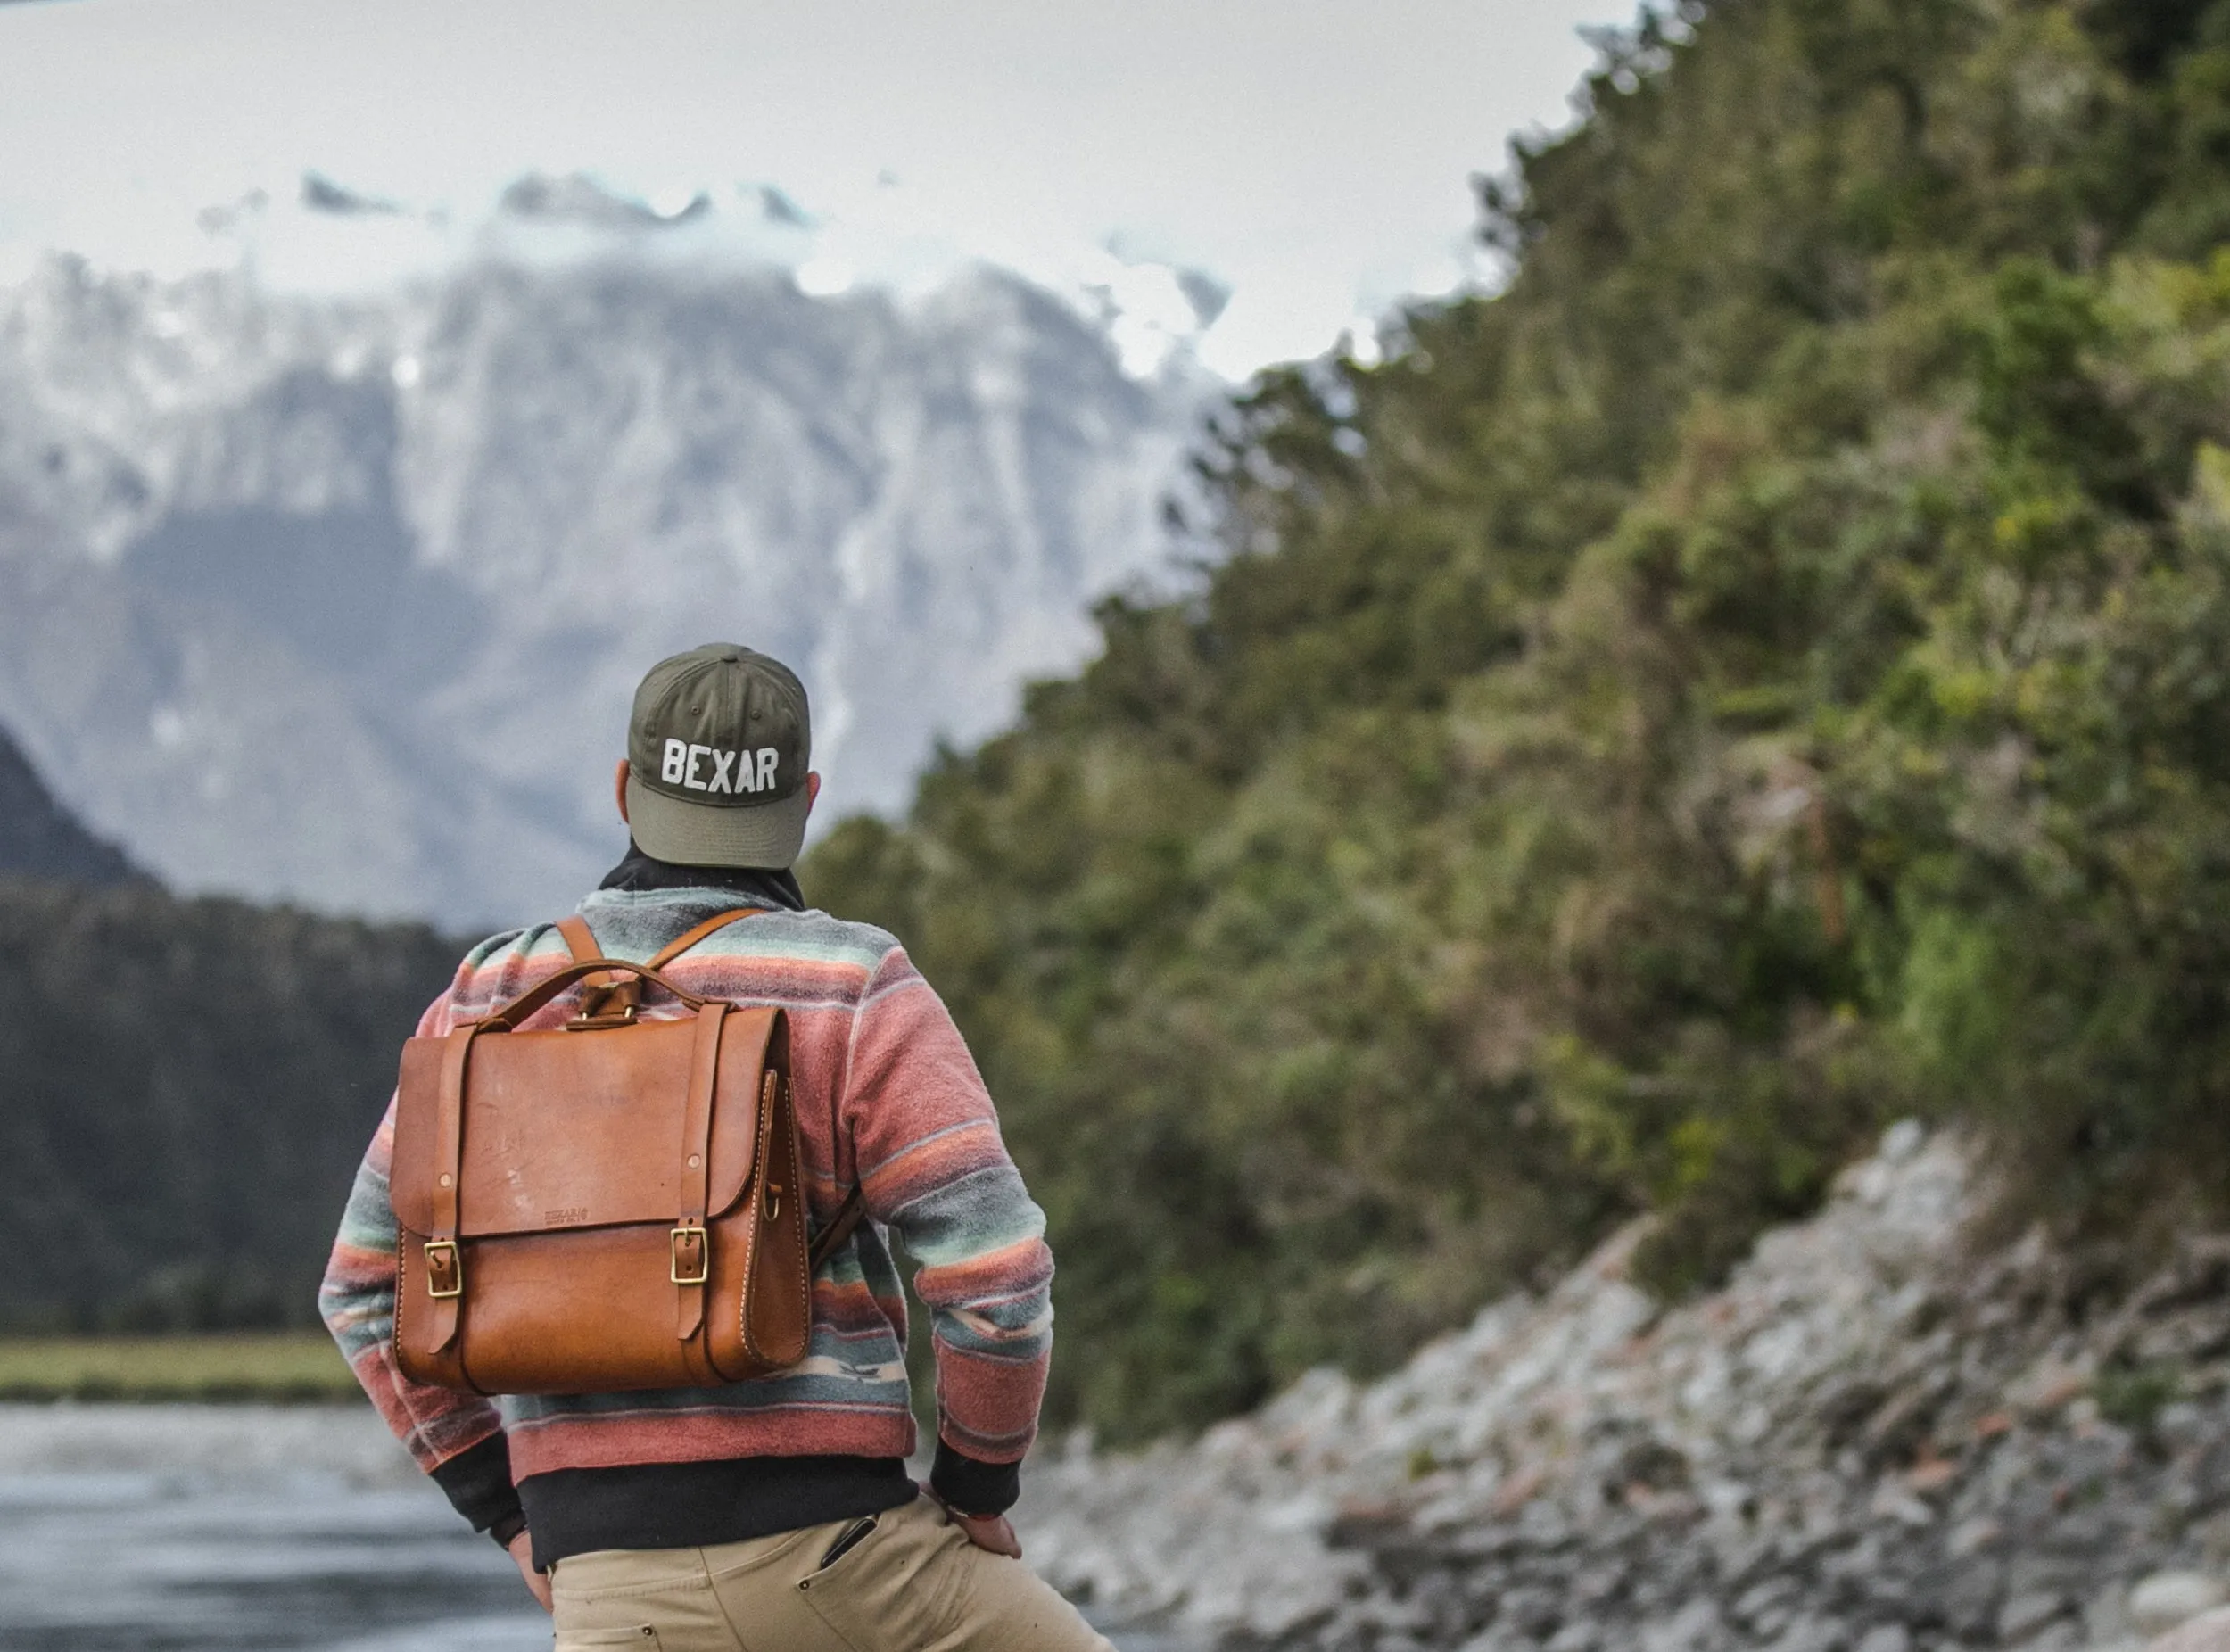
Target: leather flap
pixel 581 1129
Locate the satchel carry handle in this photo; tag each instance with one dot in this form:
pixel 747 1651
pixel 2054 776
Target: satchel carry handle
pixel 613 1003
pixel 507 1017
pixel 581 940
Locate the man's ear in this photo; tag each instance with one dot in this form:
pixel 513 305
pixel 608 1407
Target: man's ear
pixel 813 788
pixel 619 790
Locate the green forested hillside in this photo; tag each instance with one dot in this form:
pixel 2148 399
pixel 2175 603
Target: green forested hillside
pixel 186 1087
pixel 1766 670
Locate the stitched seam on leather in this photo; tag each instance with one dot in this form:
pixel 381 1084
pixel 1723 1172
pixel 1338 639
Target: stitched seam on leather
pixel 769 1114
pixel 441 1020
pixel 743 1305
pixel 754 1197
pixel 403 1295
pixel 797 1177
pixel 804 1274
pixel 401 1380
pixel 805 1257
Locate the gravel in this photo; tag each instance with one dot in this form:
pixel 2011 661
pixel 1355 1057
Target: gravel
pixel 1877 1437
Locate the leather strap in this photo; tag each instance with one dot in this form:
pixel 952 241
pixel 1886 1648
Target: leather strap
pixel 697 1137
pixel 839 1229
pixel 606 994
pixel 505 1017
pixel 681 943
pixel 448 1157
pixel 581 941
pixel 609 997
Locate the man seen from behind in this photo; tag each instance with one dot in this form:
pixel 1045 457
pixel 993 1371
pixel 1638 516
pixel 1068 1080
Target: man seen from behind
pixel 775 1514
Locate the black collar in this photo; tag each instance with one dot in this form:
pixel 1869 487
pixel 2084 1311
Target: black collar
pixel 764 886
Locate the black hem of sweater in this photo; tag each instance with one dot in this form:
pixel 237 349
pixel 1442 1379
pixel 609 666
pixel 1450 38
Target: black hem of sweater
pixel 576 1511
pixel 477 1482
pixel 972 1487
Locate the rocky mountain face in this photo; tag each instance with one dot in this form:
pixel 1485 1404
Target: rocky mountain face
pixel 1876 1438
pixel 343 601
pixel 39 839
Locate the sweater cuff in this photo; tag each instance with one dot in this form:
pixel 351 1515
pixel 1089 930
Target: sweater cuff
pixel 478 1482
pixel 975 1488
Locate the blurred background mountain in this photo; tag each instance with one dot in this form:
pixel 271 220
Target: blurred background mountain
pixel 342 601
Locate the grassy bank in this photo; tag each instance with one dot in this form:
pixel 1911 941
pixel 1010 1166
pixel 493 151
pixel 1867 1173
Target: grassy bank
pixel 293 1366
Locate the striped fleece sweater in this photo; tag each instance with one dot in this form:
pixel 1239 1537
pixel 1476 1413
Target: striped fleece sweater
pixel 888 1098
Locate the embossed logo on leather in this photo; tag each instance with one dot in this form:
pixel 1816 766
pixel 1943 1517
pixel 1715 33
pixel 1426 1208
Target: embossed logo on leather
pixel 567 1218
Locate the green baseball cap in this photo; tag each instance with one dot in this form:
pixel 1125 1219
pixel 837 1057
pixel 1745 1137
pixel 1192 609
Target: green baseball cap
pixel 718 746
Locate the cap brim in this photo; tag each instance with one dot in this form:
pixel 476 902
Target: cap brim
pixel 702 834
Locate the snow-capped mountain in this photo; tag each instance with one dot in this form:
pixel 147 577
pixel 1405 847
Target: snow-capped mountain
pixel 343 599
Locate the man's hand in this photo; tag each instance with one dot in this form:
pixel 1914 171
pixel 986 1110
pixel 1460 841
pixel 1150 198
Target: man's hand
pixel 995 1533
pixel 537 1583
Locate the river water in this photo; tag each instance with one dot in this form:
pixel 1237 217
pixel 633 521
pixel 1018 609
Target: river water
pixel 190 1529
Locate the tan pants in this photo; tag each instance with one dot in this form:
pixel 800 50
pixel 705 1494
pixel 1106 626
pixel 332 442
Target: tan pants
pixel 914 1584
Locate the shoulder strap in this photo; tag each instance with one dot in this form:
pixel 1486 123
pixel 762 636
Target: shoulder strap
pixel 607 994
pixel 610 997
pixel 839 1229
pixel 581 941
pixel 681 944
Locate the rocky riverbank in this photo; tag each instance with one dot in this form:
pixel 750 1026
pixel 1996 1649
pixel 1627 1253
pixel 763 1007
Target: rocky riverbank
pixel 1874 1439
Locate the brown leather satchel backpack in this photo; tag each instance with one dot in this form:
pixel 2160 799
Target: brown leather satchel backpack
pixel 618 1204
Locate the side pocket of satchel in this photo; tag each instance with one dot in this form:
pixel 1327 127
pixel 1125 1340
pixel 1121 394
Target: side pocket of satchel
pixel 778 1301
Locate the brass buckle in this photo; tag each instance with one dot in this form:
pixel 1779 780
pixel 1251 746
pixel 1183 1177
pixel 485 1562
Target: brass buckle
pixel 442 1260
pixel 600 1023
pixel 678 1237
pixel 608 1007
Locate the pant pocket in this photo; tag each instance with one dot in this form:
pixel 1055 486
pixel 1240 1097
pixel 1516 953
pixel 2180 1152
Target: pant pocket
pixel 642 1637
pixel 892 1587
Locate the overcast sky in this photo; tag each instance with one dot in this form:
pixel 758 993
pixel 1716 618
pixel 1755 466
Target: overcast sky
pixel 1311 154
